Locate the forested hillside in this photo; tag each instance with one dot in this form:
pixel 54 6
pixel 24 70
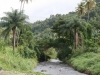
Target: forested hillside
pixel 73 38
pixel 42 29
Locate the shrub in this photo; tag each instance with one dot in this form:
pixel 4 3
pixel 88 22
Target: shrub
pixel 51 52
pixel 26 52
pixel 64 52
pixel 10 61
pixel 0 68
pixel 2 44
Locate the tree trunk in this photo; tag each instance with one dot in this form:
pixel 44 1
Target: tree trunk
pixel 14 38
pixel 21 6
pixel 70 38
pixel 88 16
pixel 76 37
pixel 88 12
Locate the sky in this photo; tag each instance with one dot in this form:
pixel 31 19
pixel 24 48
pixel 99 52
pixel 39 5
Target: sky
pixel 40 9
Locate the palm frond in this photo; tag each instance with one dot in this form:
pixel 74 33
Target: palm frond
pixel 13 19
pixel 6 32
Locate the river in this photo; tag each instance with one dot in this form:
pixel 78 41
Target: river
pixel 56 67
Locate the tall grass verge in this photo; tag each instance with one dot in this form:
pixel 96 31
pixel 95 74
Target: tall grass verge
pixel 88 62
pixel 15 62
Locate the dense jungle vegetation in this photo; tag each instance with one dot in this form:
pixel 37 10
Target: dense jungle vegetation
pixel 73 38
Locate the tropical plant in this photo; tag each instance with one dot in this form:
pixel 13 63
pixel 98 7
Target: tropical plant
pixel 22 4
pixel 51 52
pixel 11 22
pixel 81 9
pixel 75 25
pixel 89 5
pixel 56 28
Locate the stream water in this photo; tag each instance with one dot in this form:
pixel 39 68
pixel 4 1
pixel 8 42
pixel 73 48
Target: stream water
pixel 56 67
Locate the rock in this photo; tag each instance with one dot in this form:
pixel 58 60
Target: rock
pixel 43 70
pixel 50 67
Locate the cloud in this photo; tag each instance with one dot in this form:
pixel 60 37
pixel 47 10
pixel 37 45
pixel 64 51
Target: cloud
pixel 40 9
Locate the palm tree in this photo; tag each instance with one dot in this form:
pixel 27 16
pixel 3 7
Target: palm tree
pixel 89 5
pixel 22 3
pixel 58 27
pixel 76 24
pixel 81 9
pixel 12 21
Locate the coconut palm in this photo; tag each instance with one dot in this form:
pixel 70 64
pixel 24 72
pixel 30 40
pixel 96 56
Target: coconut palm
pixel 22 3
pixel 89 5
pixel 81 9
pixel 12 22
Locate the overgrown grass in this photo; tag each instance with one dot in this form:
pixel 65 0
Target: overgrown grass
pixel 15 62
pixel 10 61
pixel 88 62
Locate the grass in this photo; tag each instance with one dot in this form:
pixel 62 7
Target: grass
pixel 14 62
pixel 88 62
pixel 18 73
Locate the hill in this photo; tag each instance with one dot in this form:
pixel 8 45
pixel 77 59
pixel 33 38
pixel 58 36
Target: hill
pixel 42 29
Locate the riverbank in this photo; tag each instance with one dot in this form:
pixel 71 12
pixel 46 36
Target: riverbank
pixel 2 72
pixel 88 62
pixel 15 64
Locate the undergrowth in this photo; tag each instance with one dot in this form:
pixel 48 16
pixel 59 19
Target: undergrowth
pixel 87 62
pixel 10 61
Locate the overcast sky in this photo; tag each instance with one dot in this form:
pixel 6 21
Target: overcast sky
pixel 40 9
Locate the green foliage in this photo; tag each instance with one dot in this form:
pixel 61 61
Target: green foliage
pixel 0 68
pixel 26 52
pixel 64 52
pixel 41 46
pixel 13 21
pixel 26 45
pixel 15 62
pixel 80 50
pixel 27 39
pixel 51 52
pixel 42 29
pixel 2 44
pixel 38 73
pixel 88 62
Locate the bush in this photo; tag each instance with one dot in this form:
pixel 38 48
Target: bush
pixel 80 50
pixel 51 52
pixel 88 62
pixel 26 52
pixel 0 68
pixel 64 52
pixel 10 61
pixel 2 44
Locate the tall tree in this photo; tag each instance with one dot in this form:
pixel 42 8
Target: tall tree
pixel 22 3
pixel 81 9
pixel 56 28
pixel 75 24
pixel 12 21
pixel 89 5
